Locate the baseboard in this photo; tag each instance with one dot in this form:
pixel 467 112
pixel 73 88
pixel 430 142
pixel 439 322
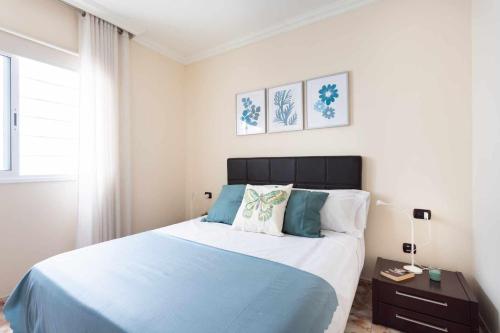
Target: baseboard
pixel 365 279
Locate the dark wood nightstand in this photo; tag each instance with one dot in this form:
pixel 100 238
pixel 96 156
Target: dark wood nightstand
pixel 421 305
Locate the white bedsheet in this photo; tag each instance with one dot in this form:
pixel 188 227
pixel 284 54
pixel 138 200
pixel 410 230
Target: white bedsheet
pixel 337 258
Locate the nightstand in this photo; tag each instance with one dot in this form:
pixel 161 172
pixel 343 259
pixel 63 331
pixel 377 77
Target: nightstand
pixel 421 305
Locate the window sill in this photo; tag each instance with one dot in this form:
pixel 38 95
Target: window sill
pixel 36 179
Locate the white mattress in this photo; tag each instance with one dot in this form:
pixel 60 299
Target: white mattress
pixel 337 258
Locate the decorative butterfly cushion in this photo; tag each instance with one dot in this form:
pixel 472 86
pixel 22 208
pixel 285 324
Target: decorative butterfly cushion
pixel 263 209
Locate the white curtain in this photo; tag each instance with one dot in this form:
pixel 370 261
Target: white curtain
pixel 104 210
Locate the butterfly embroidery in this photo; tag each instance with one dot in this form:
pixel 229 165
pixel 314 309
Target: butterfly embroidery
pixel 264 203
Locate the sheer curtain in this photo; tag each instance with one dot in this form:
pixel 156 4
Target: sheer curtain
pixel 104 154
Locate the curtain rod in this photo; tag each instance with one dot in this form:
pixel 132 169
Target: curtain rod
pixel 120 30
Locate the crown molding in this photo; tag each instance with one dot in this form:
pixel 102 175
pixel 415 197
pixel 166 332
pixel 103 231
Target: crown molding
pixel 319 14
pixel 169 53
pixel 337 8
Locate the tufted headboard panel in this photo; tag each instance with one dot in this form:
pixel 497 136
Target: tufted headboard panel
pixel 313 172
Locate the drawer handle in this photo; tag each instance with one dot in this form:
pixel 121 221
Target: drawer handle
pixel 421 323
pixel 421 298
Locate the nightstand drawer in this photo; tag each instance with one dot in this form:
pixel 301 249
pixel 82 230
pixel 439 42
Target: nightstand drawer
pixel 410 321
pixel 432 304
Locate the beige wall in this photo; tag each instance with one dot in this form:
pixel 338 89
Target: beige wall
pixel 38 220
pixel 50 21
pixel 486 155
pixel 158 141
pixel 410 72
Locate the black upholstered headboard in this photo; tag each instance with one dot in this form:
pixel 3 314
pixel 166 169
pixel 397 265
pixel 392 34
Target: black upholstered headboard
pixel 314 172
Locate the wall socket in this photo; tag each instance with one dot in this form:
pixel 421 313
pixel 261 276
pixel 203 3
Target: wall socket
pixel 419 213
pixel 407 248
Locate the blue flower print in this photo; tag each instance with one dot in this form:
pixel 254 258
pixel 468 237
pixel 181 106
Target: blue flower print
pixel 328 112
pixel 328 93
pixel 319 106
pixel 246 102
pixel 251 113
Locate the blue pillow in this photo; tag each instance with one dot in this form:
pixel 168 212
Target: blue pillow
pixel 225 208
pixel 302 213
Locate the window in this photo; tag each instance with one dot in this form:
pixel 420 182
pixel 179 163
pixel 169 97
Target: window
pixel 39 138
pixel 5 113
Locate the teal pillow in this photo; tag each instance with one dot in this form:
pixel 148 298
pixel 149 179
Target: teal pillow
pixel 302 213
pixel 225 208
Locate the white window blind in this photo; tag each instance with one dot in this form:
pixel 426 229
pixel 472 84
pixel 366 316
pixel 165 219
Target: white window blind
pixel 5 150
pixel 48 119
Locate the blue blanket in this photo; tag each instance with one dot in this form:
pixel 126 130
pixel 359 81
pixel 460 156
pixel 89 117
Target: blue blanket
pixel 152 282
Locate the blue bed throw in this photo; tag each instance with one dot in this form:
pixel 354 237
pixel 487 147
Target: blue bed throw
pixel 152 282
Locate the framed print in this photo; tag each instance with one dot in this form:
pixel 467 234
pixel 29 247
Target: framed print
pixel 285 108
pixel 327 101
pixel 251 112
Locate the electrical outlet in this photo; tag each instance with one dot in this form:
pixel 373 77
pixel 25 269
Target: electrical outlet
pixel 419 213
pixel 407 248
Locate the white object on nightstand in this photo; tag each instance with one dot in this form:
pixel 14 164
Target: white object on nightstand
pixel 411 268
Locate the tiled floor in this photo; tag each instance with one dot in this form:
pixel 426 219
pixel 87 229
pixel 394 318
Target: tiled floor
pixel 359 319
pixel 4 326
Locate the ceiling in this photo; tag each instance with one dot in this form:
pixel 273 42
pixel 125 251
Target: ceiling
pixel 191 30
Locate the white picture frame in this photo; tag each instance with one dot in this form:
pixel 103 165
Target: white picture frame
pixel 285 106
pixel 327 101
pixel 251 112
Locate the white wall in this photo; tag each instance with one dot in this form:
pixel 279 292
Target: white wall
pixel 486 155
pixel 38 220
pixel 410 72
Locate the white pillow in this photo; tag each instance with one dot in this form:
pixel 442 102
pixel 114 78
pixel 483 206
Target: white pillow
pixel 263 209
pixel 345 211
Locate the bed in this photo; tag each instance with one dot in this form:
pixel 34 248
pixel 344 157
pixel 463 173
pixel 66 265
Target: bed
pixel 204 277
pixel 341 267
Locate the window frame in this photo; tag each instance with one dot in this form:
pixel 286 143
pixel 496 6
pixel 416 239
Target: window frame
pixel 13 175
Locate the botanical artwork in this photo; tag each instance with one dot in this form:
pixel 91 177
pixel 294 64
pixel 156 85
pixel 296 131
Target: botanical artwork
pixel 263 203
pixel 284 111
pixel 251 118
pixel 285 108
pixel 327 101
pixel 327 95
pixel 251 113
